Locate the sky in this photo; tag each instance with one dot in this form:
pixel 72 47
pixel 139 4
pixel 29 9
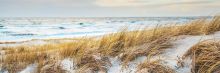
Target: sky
pixel 108 8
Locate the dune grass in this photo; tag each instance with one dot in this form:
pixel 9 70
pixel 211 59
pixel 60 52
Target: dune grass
pixel 205 57
pixel 93 53
pixel 154 67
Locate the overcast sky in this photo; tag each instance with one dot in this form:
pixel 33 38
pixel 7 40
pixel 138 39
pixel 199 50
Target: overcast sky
pixel 107 8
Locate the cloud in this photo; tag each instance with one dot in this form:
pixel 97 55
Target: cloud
pixel 45 3
pixel 129 3
pixel 115 3
pixel 107 7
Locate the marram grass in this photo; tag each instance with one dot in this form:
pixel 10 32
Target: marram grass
pixel 127 45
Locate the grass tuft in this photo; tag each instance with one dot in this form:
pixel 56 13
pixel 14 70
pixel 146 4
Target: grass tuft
pixel 154 67
pixel 205 57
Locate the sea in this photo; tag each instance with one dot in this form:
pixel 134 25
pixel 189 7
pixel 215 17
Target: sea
pixel 14 29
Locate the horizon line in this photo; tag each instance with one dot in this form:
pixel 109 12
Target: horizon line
pixel 101 16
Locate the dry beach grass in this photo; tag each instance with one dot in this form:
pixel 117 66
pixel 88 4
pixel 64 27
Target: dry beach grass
pixel 205 57
pixel 154 67
pixel 92 54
